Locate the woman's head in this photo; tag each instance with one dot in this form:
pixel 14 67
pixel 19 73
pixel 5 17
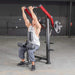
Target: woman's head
pixel 41 20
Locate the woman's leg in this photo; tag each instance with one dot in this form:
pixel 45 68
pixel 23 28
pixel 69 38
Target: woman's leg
pixel 32 57
pixel 22 51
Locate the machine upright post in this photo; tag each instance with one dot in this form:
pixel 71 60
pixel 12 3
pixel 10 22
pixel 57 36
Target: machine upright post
pixel 48 42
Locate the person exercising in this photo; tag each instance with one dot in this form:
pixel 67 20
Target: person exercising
pixel 35 28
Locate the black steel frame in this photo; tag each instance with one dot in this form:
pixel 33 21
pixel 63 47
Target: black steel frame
pixel 47 58
pixel 70 17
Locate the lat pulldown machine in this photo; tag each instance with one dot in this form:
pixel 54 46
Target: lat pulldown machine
pixel 48 31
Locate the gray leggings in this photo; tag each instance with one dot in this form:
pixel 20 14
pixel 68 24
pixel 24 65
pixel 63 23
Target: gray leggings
pixel 22 51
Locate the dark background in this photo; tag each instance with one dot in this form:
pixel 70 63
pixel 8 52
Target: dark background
pixel 10 13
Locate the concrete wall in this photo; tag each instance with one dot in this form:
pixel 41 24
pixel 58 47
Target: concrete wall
pixel 10 14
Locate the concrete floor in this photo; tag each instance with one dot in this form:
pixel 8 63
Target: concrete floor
pixel 62 58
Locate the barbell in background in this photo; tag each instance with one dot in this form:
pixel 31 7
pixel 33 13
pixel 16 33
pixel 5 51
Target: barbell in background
pixel 57 25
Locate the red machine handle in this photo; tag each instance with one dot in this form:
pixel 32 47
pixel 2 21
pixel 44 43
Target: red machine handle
pixel 28 12
pixel 49 16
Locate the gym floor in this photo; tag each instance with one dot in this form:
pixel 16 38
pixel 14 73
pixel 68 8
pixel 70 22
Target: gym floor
pixel 62 58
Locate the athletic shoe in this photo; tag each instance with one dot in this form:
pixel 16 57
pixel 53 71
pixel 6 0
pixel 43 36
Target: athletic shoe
pixel 21 63
pixel 33 68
